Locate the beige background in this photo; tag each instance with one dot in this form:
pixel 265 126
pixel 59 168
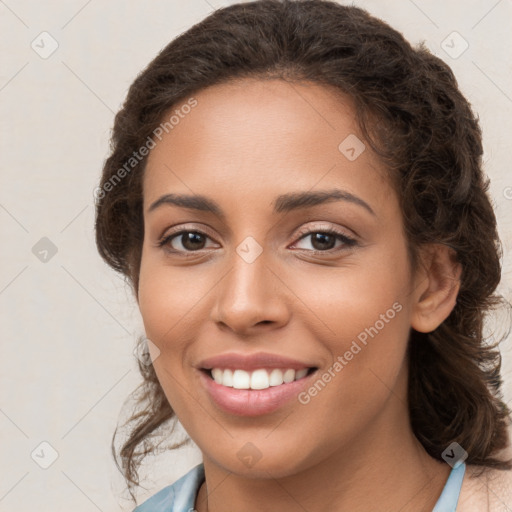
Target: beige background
pixel 69 323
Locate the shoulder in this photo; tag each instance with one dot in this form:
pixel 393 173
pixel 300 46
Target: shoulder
pixel 485 489
pixel 178 497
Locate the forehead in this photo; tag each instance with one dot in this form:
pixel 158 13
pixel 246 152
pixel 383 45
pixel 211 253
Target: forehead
pixel 251 110
pixel 254 135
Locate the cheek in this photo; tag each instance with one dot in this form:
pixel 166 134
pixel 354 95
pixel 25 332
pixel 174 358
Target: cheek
pixel 368 289
pixel 365 311
pixel 167 296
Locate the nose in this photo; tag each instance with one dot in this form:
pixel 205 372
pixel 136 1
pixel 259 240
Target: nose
pixel 250 297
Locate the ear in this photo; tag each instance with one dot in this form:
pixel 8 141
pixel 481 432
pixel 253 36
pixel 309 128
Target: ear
pixel 437 284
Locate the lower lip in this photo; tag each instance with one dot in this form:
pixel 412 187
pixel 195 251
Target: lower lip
pixel 252 402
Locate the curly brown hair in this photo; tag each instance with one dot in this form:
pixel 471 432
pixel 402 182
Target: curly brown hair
pixel 412 114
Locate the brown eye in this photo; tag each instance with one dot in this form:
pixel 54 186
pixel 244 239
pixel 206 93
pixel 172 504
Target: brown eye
pixel 325 240
pixel 189 241
pixel 192 240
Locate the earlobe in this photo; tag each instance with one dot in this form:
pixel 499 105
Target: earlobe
pixel 438 284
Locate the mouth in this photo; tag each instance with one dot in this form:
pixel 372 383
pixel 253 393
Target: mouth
pixel 259 379
pixel 254 393
pixel 254 384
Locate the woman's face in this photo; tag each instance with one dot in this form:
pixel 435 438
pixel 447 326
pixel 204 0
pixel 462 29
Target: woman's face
pixel 261 276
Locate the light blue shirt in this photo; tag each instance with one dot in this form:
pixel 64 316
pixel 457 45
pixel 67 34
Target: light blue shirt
pixel 181 495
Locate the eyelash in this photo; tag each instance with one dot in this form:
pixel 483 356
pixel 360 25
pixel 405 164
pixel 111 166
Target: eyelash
pixel 348 242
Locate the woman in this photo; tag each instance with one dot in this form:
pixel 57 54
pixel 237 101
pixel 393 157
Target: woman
pixel 297 198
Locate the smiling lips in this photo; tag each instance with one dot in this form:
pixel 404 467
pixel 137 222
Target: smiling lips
pixel 255 384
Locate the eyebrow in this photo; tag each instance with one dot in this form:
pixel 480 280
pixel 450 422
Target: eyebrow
pixel 283 203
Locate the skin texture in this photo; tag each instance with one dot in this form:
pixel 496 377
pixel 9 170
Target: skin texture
pixel 351 447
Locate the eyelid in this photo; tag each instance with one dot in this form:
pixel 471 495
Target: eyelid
pixel 185 227
pixel 325 227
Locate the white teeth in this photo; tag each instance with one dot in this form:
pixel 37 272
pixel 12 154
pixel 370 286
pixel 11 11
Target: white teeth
pixel 276 377
pixel 217 375
pixel 301 373
pixel 241 379
pixel 289 376
pixel 227 378
pixel 258 379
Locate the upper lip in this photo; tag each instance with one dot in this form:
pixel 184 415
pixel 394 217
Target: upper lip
pixel 251 362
